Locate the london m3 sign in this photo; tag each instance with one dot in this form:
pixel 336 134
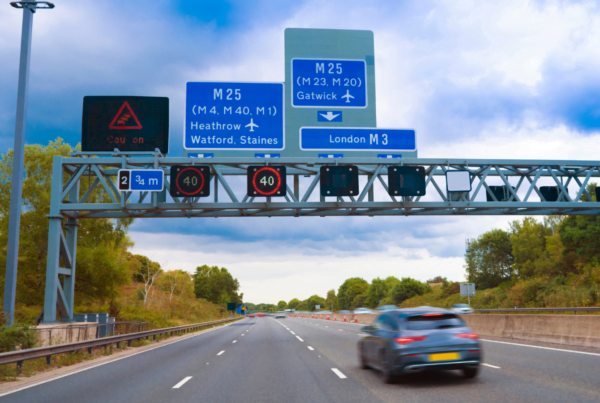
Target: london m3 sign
pixel 234 116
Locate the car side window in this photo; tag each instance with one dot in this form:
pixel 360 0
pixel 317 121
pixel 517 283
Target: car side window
pixel 379 323
pixel 392 323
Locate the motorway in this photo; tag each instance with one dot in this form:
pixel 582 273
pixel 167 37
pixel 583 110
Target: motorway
pixel 307 360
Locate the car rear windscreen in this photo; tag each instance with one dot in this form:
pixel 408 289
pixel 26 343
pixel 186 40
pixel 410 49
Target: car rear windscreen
pixel 433 321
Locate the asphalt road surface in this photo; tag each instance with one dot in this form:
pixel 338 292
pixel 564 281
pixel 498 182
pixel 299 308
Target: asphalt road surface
pixel 307 360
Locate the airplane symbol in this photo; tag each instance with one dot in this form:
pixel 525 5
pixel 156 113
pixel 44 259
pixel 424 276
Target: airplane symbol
pixel 252 125
pixel 329 115
pixel 347 96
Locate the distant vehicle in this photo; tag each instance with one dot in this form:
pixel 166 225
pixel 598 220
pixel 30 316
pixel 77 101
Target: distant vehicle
pixel 386 307
pixel 323 312
pixel 416 339
pixel 364 310
pixel 344 311
pixel 280 315
pixel 462 308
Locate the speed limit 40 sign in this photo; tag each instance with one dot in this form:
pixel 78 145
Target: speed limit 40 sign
pixel 267 181
pixel 190 181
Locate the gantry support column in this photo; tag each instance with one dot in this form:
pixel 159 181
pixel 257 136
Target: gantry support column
pixel 60 248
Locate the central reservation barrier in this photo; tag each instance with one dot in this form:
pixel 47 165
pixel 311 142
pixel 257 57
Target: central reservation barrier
pixel 572 330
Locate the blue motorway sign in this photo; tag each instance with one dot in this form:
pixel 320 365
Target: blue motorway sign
pixel 329 83
pixel 357 139
pixel 147 180
pixel 234 116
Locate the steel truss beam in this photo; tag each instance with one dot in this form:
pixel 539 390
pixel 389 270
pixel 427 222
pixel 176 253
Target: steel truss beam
pixel 99 174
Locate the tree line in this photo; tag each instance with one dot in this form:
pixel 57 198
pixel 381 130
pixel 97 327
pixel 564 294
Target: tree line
pixel 105 263
pixel 564 249
pixel 356 292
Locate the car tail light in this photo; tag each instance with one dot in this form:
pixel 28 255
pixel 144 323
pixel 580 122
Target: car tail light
pixel 468 335
pixel 407 340
pixel 473 351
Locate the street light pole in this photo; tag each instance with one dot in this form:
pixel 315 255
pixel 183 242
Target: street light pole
pixel 14 220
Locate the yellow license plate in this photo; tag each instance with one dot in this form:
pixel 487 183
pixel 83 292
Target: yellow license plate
pixel 444 357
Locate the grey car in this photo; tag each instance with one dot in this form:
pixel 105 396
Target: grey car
pixel 417 339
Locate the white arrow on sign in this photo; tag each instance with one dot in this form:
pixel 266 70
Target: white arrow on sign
pixel 329 115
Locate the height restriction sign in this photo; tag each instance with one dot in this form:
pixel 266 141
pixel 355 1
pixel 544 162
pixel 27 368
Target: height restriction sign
pixel 126 123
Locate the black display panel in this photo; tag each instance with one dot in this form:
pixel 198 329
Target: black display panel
pixel 406 181
pixel 267 181
pixel 126 123
pixel 339 180
pixel 190 181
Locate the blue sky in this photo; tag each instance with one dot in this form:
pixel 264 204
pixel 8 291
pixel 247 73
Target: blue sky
pixel 511 79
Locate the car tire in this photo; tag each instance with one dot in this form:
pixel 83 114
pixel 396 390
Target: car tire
pixel 362 359
pixel 387 375
pixel 470 372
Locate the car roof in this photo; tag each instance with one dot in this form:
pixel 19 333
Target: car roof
pixel 404 312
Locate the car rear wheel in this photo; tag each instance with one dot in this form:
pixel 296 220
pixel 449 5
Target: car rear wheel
pixel 470 372
pixel 387 375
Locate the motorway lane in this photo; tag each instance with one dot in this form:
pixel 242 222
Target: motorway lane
pixel 273 365
pixel 525 374
pixel 269 360
pixel 145 377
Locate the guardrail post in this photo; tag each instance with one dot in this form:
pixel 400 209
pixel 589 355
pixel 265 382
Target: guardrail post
pixel 19 367
pixel 118 345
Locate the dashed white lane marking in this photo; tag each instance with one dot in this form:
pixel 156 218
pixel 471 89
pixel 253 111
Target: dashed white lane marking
pixel 340 330
pixel 234 341
pixel 221 352
pixel 339 373
pixel 180 384
pixel 310 348
pixel 242 334
pixel 298 337
pixel 490 365
pixel 326 326
pixel 544 348
pixel 292 332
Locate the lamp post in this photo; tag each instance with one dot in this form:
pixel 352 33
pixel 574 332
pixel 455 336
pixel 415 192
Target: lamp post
pixel 14 220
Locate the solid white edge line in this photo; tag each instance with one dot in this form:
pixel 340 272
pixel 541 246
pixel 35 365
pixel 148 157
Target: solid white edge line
pixel 490 365
pixel 221 352
pixel 310 348
pixel 298 337
pixel 180 384
pixel 108 362
pixel 339 373
pixel 544 348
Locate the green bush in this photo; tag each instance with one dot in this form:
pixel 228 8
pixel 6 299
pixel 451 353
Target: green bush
pixel 18 335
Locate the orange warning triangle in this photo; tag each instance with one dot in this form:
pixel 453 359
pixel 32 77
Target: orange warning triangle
pixel 125 119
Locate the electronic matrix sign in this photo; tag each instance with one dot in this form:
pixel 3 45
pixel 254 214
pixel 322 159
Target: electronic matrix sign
pixel 266 181
pixel 339 180
pixel 190 181
pixel 406 181
pixel 128 123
